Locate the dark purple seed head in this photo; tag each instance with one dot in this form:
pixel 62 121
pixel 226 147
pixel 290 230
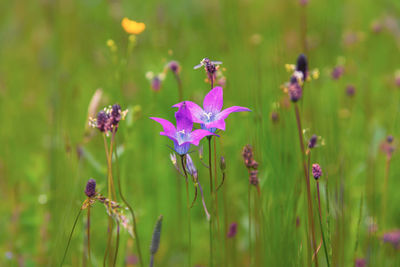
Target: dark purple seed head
pixel 102 119
pixel 302 65
pixel 360 262
pixel 174 66
pixel 274 116
pixel 295 91
pixel 232 230
pixel 90 190
pixel 247 154
pixel 350 90
pixel 253 178
pixel 316 171
pixel 115 114
pixel 313 141
pixel 389 139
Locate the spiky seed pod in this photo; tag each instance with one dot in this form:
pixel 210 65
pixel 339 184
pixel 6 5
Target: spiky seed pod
pixel 155 240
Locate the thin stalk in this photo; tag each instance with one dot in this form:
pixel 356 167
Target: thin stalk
pixel 249 211
pixel 306 176
pixel 131 211
pixel 179 82
pixel 320 224
pixel 216 182
pixel 211 194
pixel 70 236
pixel 188 209
pixel 88 233
pixel 385 188
pixel 109 227
pixel 116 246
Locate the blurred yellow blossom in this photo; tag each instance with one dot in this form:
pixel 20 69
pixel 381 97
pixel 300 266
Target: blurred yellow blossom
pixel 132 27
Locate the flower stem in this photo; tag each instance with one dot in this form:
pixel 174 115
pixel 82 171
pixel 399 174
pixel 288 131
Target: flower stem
pixel 70 236
pixel 216 183
pixel 385 188
pixel 88 233
pixel 188 209
pixel 131 211
pixel 320 224
pixel 179 82
pixel 307 180
pixel 211 195
pixel 249 211
pixel 116 246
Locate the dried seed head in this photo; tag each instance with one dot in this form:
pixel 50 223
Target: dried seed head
pixel 247 154
pixel 115 114
pixel 253 178
pixel 155 240
pixel 174 66
pixel 316 171
pixel 313 141
pixel 90 190
pixel 102 119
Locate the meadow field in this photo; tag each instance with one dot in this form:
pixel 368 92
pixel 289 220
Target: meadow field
pixel 303 172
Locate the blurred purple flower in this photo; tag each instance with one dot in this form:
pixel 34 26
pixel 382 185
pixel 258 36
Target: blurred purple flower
pixel 337 72
pixel 211 117
pixel 182 135
pixel 350 90
pixel 393 238
pixel 294 89
pixel 232 230
pixel 302 66
pixel 90 190
pixel 313 141
pixel 360 262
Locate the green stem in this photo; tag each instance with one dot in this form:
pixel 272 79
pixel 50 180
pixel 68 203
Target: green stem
pixel 188 210
pixel 88 233
pixel 70 236
pixel 212 208
pixel 320 224
pixel 116 246
pixel 249 211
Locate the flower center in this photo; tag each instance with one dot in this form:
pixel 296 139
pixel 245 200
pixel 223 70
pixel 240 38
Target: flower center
pixel 208 117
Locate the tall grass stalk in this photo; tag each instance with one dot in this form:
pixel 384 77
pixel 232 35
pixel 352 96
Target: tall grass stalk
pixel 322 228
pixel 188 211
pixel 307 180
pixel 211 195
pixel 70 235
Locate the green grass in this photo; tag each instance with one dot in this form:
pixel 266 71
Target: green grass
pixel 53 56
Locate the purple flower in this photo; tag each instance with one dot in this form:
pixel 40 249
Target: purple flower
pixel 350 90
pixel 232 230
pixel 337 72
pixel 190 168
pixel 393 238
pixel 210 116
pixel 90 190
pixel 302 66
pixel 360 262
pixel 182 135
pixel 316 171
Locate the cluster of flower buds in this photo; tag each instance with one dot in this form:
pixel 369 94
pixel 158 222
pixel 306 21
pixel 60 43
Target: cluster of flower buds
pixel 251 164
pixel 316 171
pixel 108 119
pixel 387 146
pixel 90 190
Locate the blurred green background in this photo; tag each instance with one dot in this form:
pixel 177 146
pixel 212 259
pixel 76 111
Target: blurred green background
pixel 53 57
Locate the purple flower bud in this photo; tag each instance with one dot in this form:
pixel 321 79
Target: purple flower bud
pixel 350 90
pixel 174 67
pixel 90 189
pixel 115 114
pixel 102 119
pixel 313 141
pixel 302 65
pixel 191 169
pixel 389 139
pixel 393 238
pixel 232 230
pixel 274 116
pixel 295 91
pixel 253 178
pixel 222 164
pixel 316 171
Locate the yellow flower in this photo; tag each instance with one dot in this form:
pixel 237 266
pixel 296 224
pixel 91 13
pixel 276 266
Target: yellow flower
pixel 132 27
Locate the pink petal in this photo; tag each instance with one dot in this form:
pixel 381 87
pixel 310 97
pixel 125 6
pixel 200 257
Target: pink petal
pixel 183 119
pixel 213 101
pixel 169 128
pixel 219 124
pixel 197 135
pixel 195 110
pixel 225 113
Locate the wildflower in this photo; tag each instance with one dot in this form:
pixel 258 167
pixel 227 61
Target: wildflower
pixel 111 44
pixel 155 80
pixel 316 171
pixel 295 90
pixel 337 72
pixel 274 116
pixel 210 68
pixel 232 230
pixel 182 135
pixel 253 178
pixel 90 190
pixel 247 155
pixel 313 141
pixel 302 66
pixel 211 117
pixel 350 90
pixel 132 27
pixel 387 146
pixel 389 139
pixel 393 238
